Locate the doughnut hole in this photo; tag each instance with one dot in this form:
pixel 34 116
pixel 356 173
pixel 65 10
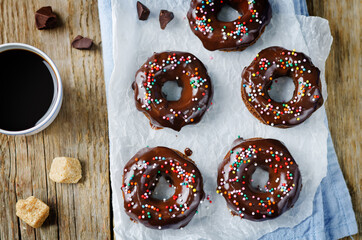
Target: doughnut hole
pixel 259 179
pixel 282 89
pixel 164 189
pixel 171 90
pixel 228 14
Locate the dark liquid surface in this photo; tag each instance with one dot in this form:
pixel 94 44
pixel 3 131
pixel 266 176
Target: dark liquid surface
pixel 26 89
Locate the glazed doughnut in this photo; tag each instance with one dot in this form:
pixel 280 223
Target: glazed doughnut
pixel 229 36
pixel 235 177
pixel 141 175
pixel 274 62
pixel 190 73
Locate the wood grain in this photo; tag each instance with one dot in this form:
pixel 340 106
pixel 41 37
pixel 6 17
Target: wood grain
pixel 344 90
pixel 78 211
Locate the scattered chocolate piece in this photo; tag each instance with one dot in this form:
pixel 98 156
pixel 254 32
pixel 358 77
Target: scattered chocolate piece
pixel 45 18
pixel 165 18
pixel 143 11
pixel 82 43
pixel 188 152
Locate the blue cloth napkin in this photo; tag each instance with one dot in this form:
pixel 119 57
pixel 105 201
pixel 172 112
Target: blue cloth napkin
pixel 332 216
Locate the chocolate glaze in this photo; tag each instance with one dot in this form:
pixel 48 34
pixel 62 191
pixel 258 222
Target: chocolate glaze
pixel 140 178
pixel 235 172
pixel 270 64
pixel 228 36
pixel 190 73
pixel 188 152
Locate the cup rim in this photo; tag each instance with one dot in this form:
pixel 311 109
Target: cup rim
pixel 59 96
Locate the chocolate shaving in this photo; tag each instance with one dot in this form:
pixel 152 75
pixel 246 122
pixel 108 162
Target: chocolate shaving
pixel 143 11
pixel 82 43
pixel 45 18
pixel 165 18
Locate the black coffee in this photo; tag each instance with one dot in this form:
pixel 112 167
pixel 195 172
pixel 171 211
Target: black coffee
pixel 26 89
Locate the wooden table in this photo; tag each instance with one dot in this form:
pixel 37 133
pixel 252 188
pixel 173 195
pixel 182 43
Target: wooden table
pixel 83 211
pixel 77 210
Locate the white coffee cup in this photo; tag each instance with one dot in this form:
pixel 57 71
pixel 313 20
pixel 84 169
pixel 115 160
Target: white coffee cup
pixel 56 104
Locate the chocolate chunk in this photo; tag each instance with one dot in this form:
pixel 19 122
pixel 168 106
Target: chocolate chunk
pixel 81 43
pixel 165 18
pixel 45 18
pixel 143 11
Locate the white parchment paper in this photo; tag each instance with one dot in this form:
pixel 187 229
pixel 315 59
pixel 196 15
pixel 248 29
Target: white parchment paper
pixel 135 41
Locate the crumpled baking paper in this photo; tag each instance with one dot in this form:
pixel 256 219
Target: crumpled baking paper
pixel 129 130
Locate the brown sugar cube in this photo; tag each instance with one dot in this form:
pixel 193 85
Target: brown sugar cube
pixel 65 170
pixel 32 211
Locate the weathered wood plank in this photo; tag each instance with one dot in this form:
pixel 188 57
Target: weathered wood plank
pixel 7 191
pixel 344 91
pixel 78 211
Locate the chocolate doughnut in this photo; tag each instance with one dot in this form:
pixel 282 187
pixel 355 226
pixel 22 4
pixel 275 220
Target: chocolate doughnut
pixel 141 175
pixel 274 62
pixel 190 74
pixel 235 177
pixel 229 36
